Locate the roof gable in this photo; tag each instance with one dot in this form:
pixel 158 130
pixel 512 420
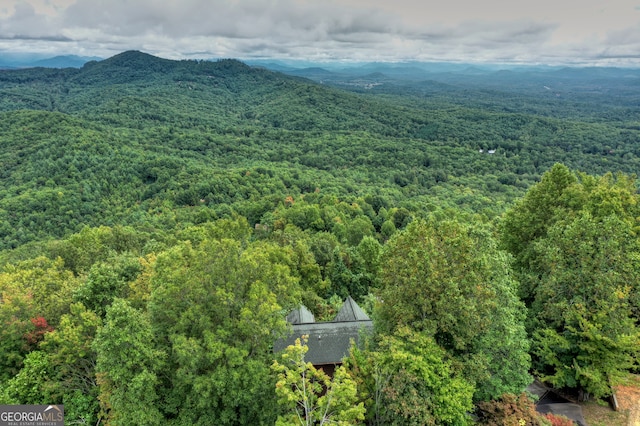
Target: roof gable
pixel 301 315
pixel 350 311
pixel 328 342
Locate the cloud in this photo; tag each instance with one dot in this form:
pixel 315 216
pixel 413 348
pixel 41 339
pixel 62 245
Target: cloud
pixel 25 37
pixel 461 30
pixel 23 22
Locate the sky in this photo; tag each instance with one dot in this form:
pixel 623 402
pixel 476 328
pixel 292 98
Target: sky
pixel 580 32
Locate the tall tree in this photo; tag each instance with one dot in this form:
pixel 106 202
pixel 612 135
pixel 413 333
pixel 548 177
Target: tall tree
pixel 127 366
pixel 529 219
pixel 575 239
pixel 73 360
pixel 583 316
pixel 308 396
pixel 448 281
pixel 216 309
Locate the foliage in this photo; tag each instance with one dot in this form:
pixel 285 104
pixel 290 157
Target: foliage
pixel 216 309
pixel 406 381
pixel 581 273
pixel 30 385
pixel 72 359
pixel 159 218
pixel 33 295
pixel 182 142
pixel 508 410
pixel 308 396
pixel 448 281
pixel 106 281
pixel 559 420
pixel 126 367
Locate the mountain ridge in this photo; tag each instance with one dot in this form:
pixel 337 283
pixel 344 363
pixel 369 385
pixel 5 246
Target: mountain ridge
pixel 214 137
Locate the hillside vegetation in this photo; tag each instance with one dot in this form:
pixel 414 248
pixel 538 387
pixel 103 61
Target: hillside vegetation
pixel 119 137
pixel 159 218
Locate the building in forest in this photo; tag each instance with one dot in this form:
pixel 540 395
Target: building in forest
pixel 329 341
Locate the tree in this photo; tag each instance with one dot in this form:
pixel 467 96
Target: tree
pixel 529 219
pixel 448 281
pixel 80 251
pixel 127 365
pixel 308 396
pixel 369 251
pixel 73 360
pixel 358 228
pixel 216 309
pixel 107 280
pixel 34 294
pixel 406 380
pixel 48 284
pixel 15 310
pixel 31 385
pixel 574 237
pixel 583 314
pixel 560 196
pixel 300 258
pixel 387 229
pixel 322 245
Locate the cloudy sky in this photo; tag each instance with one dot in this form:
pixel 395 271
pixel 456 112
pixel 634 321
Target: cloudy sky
pixel 515 31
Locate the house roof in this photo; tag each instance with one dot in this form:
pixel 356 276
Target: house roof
pixel 301 315
pixel 328 342
pixel 350 311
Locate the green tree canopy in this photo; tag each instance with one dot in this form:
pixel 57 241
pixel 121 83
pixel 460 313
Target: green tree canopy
pixel 216 309
pixel 448 281
pixel 584 313
pixel 127 367
pixel 575 238
pixel 406 380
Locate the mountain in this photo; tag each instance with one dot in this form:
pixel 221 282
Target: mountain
pixel 500 84
pixel 313 73
pixel 156 144
pixel 17 61
pixel 159 218
pixel 66 61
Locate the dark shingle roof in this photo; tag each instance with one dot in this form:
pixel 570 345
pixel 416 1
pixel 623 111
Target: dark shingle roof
pixel 328 342
pixel 301 315
pixel 350 311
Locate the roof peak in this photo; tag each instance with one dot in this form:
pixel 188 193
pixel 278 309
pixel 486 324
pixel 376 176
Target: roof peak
pixel 301 315
pixel 350 311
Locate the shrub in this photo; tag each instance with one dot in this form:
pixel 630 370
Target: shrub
pixel 509 410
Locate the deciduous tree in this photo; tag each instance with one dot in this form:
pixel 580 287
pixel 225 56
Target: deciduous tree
pixel 308 396
pixel 449 281
pixel 216 310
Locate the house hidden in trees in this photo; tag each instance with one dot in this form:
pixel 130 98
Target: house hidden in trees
pixel 328 342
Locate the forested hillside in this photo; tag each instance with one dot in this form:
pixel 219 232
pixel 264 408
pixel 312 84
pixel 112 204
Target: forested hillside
pixel 158 219
pixel 119 137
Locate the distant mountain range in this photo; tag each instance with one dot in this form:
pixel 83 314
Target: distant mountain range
pixel 16 61
pixel 117 141
pixel 408 70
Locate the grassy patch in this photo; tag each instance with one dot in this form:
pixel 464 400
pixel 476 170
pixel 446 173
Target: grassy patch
pixel 599 413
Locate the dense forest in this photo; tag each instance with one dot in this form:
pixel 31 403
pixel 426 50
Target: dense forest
pixel 159 219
